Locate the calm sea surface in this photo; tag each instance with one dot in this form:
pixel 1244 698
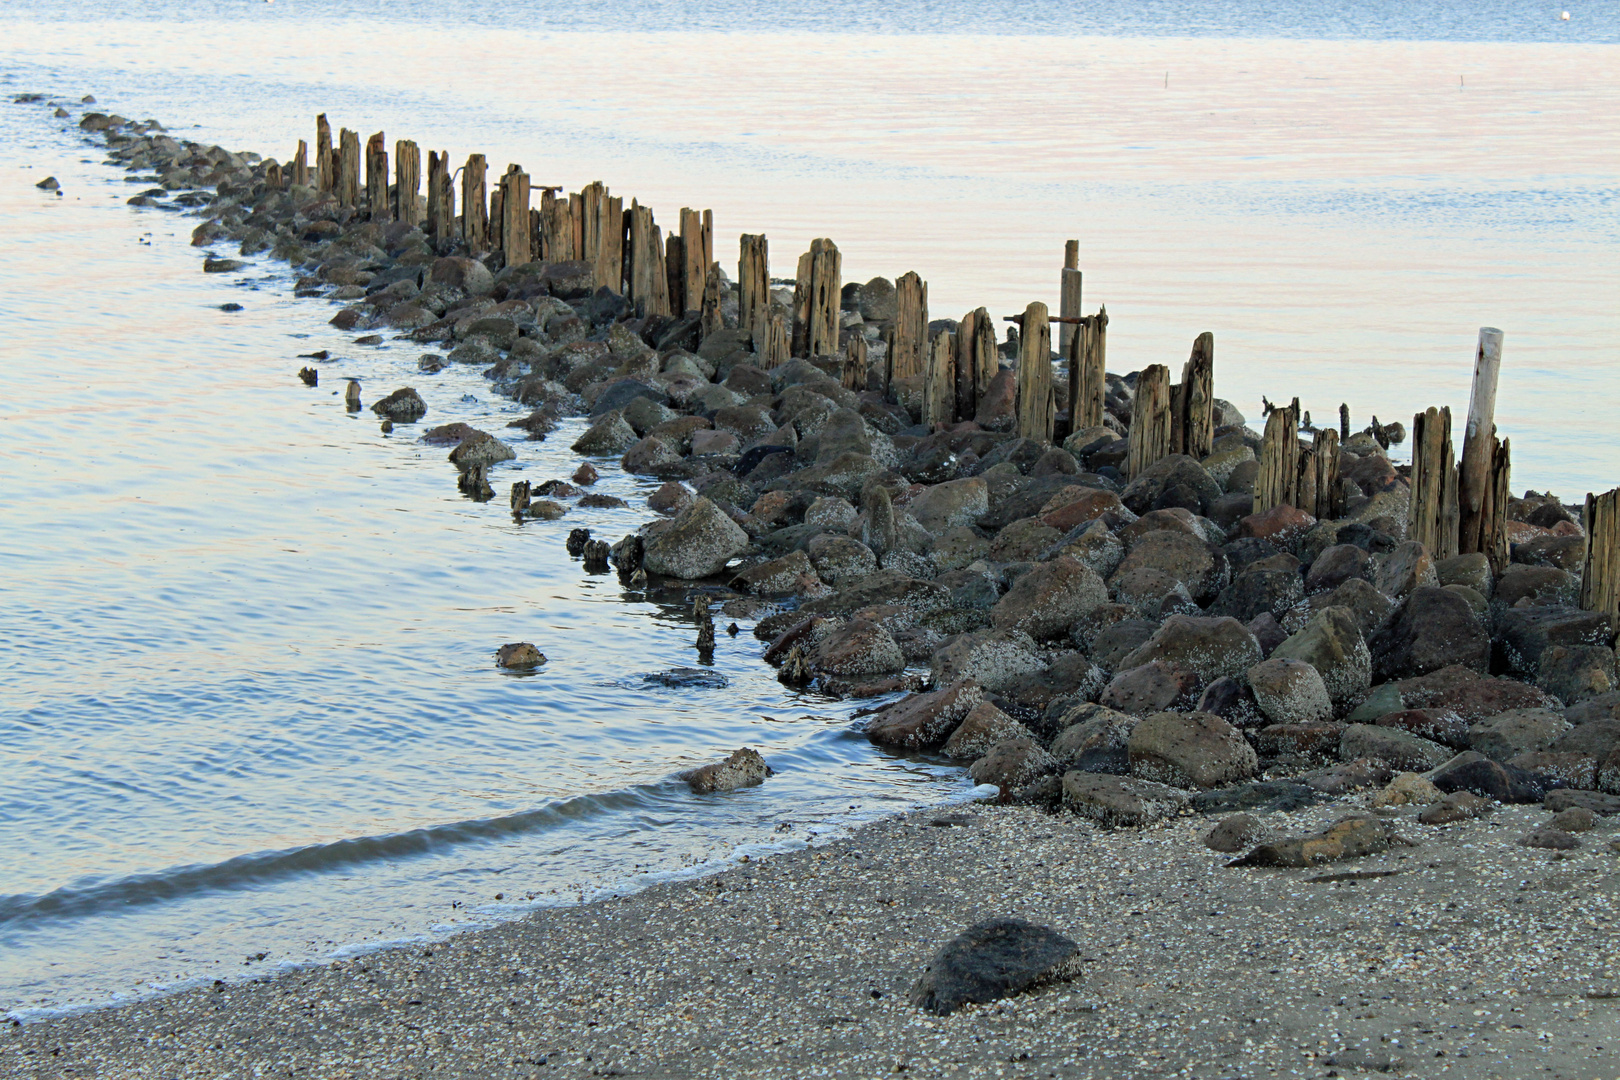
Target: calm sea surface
pixel 248 712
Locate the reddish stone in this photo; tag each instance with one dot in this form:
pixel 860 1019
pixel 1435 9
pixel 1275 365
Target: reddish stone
pixel 1281 524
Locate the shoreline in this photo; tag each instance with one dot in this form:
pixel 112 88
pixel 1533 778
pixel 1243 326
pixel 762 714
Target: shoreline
pixel 870 530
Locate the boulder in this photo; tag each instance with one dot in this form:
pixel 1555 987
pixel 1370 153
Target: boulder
pixel 1407 789
pixel 1470 695
pixel 991 658
pixel 403 406
pixel 1189 750
pixel 1176 480
pixel 1095 738
pixel 1235 833
pixel 1193 562
pixel 1045 602
pixel 925 721
pixel 1392 747
pixel 1259 590
pixel 480 450
pixel 1524 632
pixel 611 435
pixel 775 576
pixel 840 560
pixel 744 768
pixel 1212 647
pixel 990 960
pixel 1331 642
pixel 1431 629
pixel 1551 838
pixel 519 655
pixel 1312 741
pixel 1282 525
pixel 1290 691
pixel 1476 773
pixel 650 457
pixel 1454 807
pixel 1406 568
pixel 1119 801
pixel 1517 731
pixel 1472 570
pixel 859 647
pixel 951 504
pixel 1437 725
pixel 1013 763
pixel 981 730
pixel 1541 585
pixel 1576 673
pixel 1347 838
pixel 698 543
pixel 1152 687
pixel 1336 565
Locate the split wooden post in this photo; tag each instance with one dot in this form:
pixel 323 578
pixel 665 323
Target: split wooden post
pixel 591 198
pixel 441 201
pixel 273 180
pixel 1600 573
pixel 939 381
pixel 348 167
pixel 697 249
pixel 1434 514
pixel 474 207
pixel 377 178
pixel 1089 383
pixel 910 326
pixel 648 287
pixel 977 361
pixel 325 172
pixel 1344 423
pixel 407 182
pixel 675 274
pixel 854 363
pixel 815 300
pixel 1277 481
pixel 710 321
pixel 515 229
pixel 560 228
pixel 776 351
pixel 1193 425
pixel 1069 296
pixel 1327 500
pixel 753 286
pixel 1498 493
pixel 1150 420
pixel 1479 451
pixel 1035 409
pixel 300 165
pixel 610 246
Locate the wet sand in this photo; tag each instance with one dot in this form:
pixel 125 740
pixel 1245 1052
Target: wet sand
pixel 1477 957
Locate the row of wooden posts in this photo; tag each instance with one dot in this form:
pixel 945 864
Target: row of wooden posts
pixel 1456 508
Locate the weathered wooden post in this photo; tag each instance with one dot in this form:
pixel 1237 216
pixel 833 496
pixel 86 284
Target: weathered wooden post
pixel 1069 296
pixel 1434 514
pixel 561 233
pixel 697 249
pixel 939 381
pixel 967 388
pixel 441 201
pixel 407 182
pixel 711 301
pixel 1089 384
pixel 1034 407
pixel 1479 451
pixel 474 205
pixel 1278 479
pixel 325 172
pixel 753 285
pixel 514 219
pixel 1193 425
pixel 1327 501
pixel 854 364
pixel 648 288
pixel 300 165
pixel 591 197
pixel 815 300
pixel 910 327
pixel 1344 423
pixel 272 176
pixel 776 349
pixel 610 247
pixel 348 167
pixel 1600 573
pixel 1494 542
pixel 1149 439
pixel 675 274
pixel 377 178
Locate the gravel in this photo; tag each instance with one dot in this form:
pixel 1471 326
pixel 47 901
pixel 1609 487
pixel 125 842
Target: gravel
pixel 1467 955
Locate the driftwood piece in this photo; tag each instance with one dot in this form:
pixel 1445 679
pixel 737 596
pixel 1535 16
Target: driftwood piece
pixel 1434 514
pixel 515 229
pixel 1193 425
pixel 939 381
pixel 407 182
pixel 300 165
pixel 854 363
pixel 1035 409
pixel 1479 448
pixel 1149 439
pixel 697 249
pixel 753 285
pixel 910 326
pixel 1600 573
pixel 1277 482
pixel 377 178
pixel 474 205
pixel 348 168
pixel 1068 308
pixel 325 168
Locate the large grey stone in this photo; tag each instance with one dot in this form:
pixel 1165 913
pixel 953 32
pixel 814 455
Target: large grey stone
pixel 698 543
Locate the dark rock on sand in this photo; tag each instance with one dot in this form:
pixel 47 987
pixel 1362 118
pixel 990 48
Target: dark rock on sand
pixel 1348 838
pixel 1190 750
pixel 1430 630
pixel 1233 834
pixel 1119 801
pixel 925 721
pixel 990 960
pixel 1470 771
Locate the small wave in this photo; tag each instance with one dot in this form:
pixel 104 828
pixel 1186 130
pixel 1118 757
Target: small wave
pixel 137 890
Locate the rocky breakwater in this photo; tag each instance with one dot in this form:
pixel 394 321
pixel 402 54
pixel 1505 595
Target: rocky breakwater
pixel 1093 618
